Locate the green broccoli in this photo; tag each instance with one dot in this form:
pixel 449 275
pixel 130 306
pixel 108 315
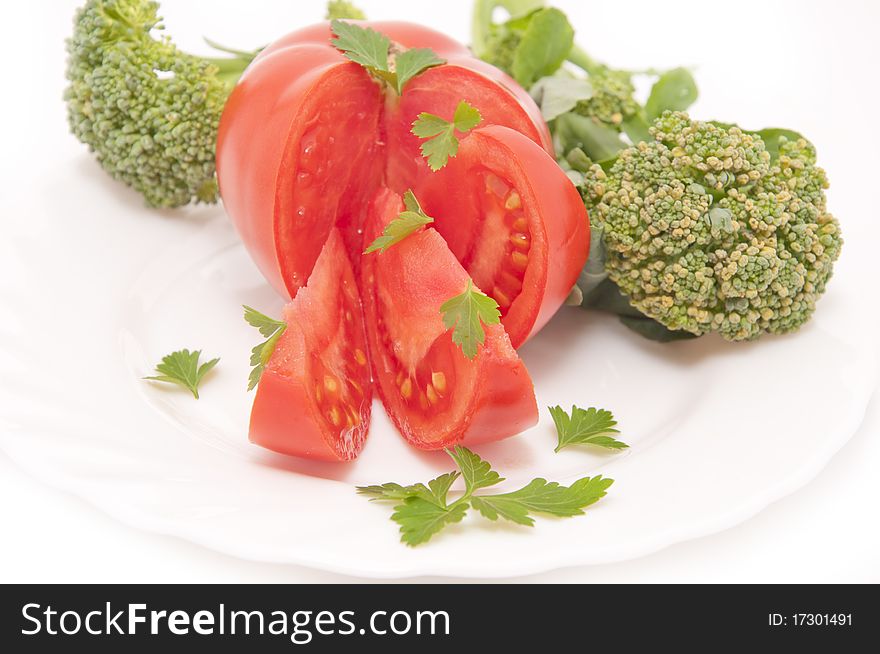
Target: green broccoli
pixel 342 9
pixel 709 228
pixel 148 111
pixel 534 44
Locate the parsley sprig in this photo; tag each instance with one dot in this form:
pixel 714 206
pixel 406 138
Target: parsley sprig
pixel 272 330
pixel 182 368
pixel 405 224
pixel 466 314
pixel 442 142
pixel 586 427
pixel 424 510
pixel 372 50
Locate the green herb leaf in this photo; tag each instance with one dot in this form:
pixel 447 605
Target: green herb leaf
pixel 419 520
pixel 675 90
pixel 476 472
pixel 542 496
pixel 371 50
pixel 466 314
pixel 423 511
pixel 442 142
pixel 364 46
pixel 586 427
pixel 559 94
pixel 271 329
pixel 182 368
pixel 544 46
pixel 412 62
pixel 405 224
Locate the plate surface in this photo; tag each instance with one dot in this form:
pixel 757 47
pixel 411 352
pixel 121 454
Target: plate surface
pixel 95 289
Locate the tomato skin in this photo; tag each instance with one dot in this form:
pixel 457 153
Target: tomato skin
pixel 559 225
pixel 486 399
pixel 324 327
pixel 295 80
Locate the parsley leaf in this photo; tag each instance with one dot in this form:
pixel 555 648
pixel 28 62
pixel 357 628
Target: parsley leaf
pixel 542 496
pixel 260 354
pixel 586 427
pixel 476 472
pixel 372 50
pixel 467 313
pixel 405 224
pixel 182 368
pixel 363 46
pixel 442 142
pixel 423 511
pixel 410 63
pixel 420 520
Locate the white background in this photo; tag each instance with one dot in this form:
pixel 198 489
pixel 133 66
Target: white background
pixel 810 66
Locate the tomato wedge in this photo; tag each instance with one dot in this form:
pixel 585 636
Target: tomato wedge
pixel 435 395
pixel 315 394
pixel 514 221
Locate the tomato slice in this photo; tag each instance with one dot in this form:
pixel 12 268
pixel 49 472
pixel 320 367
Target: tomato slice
pixel 314 397
pixel 514 221
pixel 434 394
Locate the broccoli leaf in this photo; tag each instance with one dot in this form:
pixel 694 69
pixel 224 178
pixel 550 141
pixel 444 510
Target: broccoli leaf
pixel 182 368
pixel 408 222
pixel 544 46
pixel 585 427
pixel 466 314
pixel 675 90
pixel 559 94
pixel 772 136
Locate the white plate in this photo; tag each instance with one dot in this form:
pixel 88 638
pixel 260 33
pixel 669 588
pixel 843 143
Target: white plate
pixel 95 289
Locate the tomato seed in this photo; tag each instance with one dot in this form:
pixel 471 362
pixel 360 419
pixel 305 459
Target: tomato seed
pixel 330 384
pixel 360 357
pixel 520 241
pixel 438 379
pixel 519 261
pixel 432 394
pixel 406 388
pixel 513 201
pixel 335 416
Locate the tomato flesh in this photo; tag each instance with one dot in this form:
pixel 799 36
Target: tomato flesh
pixel 314 397
pixel 435 395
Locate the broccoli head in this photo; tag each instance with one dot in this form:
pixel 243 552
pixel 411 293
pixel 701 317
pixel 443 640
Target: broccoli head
pixel 613 97
pixel 708 228
pixel 148 111
pixel 342 9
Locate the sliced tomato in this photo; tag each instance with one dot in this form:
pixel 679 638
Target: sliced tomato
pixel 514 221
pixel 314 397
pixel 307 137
pixel 435 395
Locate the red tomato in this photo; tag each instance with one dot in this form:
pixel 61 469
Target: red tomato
pixel 307 136
pixel 314 397
pixel 434 394
pixel 515 222
pixel 306 140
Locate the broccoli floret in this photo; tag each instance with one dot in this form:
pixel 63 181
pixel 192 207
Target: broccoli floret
pixel 148 111
pixel 612 100
pixel 342 9
pixel 706 231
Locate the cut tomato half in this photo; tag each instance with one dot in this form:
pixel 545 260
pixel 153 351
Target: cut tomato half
pixel 435 395
pixel 314 397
